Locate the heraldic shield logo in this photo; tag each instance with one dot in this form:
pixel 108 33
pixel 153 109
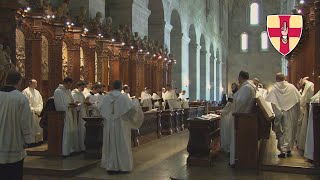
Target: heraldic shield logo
pixel 284 31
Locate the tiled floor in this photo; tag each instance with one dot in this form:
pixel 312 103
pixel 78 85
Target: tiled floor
pixel 166 158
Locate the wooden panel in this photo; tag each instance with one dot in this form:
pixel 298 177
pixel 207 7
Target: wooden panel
pixel 316 133
pixel 246 134
pixel 55 132
pixel 201 135
pixel 167 118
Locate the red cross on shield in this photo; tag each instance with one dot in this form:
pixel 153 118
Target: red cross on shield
pixel 284 31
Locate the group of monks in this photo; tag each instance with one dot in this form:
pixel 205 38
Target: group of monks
pixel 293 124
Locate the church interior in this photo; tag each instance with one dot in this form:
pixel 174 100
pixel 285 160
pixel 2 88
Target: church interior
pixel 193 49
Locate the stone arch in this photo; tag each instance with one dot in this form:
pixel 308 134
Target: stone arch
pixel 218 76
pixel 156 23
pixel 192 63
pixel 175 49
pixel 203 72
pixel 212 71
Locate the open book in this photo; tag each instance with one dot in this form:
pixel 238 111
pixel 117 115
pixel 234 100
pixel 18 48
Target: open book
pixel 265 108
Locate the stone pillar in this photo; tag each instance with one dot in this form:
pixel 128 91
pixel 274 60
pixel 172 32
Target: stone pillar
pixel 167 30
pixel 140 15
pixel 198 72
pixel 215 85
pixel 185 63
pixel 202 73
pixel 218 83
pixel 212 77
pixel 8 24
pixel 208 69
pixel 176 51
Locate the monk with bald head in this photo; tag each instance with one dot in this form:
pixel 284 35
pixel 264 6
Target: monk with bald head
pixel 285 99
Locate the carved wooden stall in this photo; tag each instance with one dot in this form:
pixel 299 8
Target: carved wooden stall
pixel 51 47
pixel 304 60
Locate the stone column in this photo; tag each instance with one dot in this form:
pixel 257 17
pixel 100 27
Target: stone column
pixel 167 30
pixel 218 83
pixel 208 85
pixel 185 63
pixel 140 15
pixel 198 72
pixel 215 86
pixel 202 72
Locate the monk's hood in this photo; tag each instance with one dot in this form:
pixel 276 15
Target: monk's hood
pixel 281 86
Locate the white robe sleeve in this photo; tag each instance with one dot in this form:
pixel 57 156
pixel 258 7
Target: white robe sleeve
pixel 39 103
pixel 26 122
pixel 59 101
pixel 135 115
pixel 241 99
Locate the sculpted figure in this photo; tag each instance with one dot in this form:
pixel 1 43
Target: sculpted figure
pixel 83 16
pixel 63 12
pixel 95 23
pixel 107 27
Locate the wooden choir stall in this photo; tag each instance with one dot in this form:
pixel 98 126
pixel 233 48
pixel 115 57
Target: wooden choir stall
pixel 49 45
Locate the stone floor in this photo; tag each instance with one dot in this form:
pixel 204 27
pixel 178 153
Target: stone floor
pixel 166 158
pixel 271 156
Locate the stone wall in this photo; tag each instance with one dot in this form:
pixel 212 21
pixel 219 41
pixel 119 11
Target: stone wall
pixel 261 64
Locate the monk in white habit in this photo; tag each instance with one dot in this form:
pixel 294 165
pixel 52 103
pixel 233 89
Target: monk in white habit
pixel 146 98
pixel 93 99
pixel 226 117
pixel 126 90
pixel 120 116
pixel 285 99
pixel 63 101
pixel 184 100
pixel 244 102
pixel 79 99
pixel 309 145
pixel 157 99
pixel 170 98
pixel 16 130
pixel 86 91
pixel 307 93
pixel 36 105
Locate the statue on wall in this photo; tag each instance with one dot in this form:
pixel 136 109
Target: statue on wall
pixel 95 23
pixel 107 27
pixel 144 43
pixel 83 17
pixel 63 11
pixel 127 34
pixel 120 33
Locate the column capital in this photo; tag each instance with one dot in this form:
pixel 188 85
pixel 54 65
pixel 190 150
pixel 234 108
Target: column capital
pixel 198 47
pixel 168 27
pixel 186 38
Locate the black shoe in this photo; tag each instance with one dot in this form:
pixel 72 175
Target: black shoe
pixel 289 154
pixel 112 172
pixel 282 155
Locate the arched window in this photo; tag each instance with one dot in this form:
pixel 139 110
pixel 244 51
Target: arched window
pixel 254 14
pixel 264 40
pixel 244 41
